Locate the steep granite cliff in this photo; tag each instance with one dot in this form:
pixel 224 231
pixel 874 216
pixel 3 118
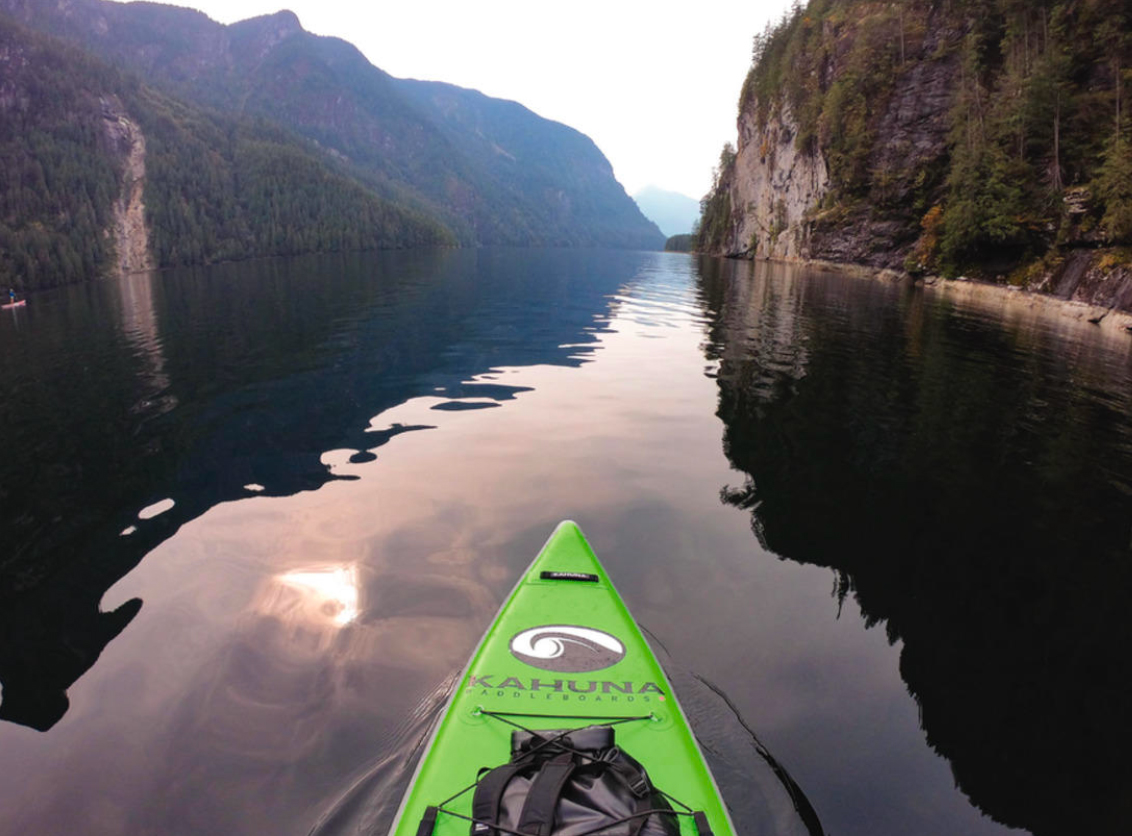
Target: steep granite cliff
pixel 801 187
pixel 131 231
pixel 986 138
pixel 773 186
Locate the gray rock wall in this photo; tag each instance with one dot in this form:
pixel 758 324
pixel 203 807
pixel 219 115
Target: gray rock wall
pixel 130 231
pixel 776 190
pixel 773 187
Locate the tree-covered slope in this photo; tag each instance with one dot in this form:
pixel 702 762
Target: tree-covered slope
pixel 58 174
pixel 216 187
pixel 224 189
pixel 982 136
pixel 536 182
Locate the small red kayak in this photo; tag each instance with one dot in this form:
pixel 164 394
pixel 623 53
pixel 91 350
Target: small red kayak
pixel 18 304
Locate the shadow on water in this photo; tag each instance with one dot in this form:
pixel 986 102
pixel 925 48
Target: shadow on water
pixel 969 481
pixel 168 394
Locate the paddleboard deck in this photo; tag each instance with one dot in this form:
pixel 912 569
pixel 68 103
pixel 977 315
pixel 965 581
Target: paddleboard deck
pixel 563 652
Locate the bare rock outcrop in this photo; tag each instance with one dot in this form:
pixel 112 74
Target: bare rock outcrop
pixel 773 187
pixel 1084 276
pixel 778 190
pixel 846 154
pixel 130 231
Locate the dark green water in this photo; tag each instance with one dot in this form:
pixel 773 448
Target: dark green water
pixel 356 456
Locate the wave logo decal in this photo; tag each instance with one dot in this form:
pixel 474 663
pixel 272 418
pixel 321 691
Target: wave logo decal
pixel 567 649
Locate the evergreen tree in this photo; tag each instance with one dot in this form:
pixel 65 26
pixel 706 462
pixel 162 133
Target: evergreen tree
pixel 1114 190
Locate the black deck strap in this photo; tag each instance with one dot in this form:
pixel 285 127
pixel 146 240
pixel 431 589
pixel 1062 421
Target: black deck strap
pixel 629 770
pixel 580 741
pixel 428 822
pixel 537 817
pixel 489 795
pixel 702 826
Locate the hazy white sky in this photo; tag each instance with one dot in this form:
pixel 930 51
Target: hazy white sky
pixel 654 84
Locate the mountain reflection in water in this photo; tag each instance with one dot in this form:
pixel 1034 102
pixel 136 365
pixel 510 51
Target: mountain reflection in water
pixel 971 485
pixel 243 449
pixel 277 366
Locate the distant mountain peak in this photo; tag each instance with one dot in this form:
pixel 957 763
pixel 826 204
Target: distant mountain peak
pixel 652 189
pixel 260 35
pixel 283 22
pixel 673 212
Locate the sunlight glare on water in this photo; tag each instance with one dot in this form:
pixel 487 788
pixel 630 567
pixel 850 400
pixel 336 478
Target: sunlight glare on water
pixel 330 593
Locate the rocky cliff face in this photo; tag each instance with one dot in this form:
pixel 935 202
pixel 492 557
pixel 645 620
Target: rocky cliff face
pixel 773 188
pixel 1089 276
pixel 130 230
pixel 956 139
pixel 784 201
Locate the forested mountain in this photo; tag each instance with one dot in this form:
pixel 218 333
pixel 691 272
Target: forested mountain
pixel 679 243
pixel 491 171
pixel 73 131
pixel 58 176
pixel 556 185
pixel 986 137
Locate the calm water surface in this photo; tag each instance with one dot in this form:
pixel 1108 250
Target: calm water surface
pixel 254 518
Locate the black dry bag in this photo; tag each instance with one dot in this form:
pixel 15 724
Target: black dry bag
pixel 560 783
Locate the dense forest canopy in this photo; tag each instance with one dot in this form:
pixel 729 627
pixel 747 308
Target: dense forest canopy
pixel 678 243
pixel 1039 150
pixel 58 180
pixel 217 187
pixel 224 189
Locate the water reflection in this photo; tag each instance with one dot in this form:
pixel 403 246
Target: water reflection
pixel 140 326
pixel 37 668
pixel 216 382
pixel 970 483
pixel 235 702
